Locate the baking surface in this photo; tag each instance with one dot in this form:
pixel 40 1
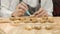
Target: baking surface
pixel 7 27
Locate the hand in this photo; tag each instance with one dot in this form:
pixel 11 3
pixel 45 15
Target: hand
pixel 41 12
pixel 20 9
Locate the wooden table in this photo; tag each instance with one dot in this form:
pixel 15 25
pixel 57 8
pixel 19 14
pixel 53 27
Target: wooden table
pixel 7 27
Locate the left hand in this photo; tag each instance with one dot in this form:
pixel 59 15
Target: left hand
pixel 41 12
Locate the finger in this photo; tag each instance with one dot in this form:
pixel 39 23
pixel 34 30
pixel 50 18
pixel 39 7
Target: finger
pixel 20 11
pixel 40 9
pixel 41 14
pixel 21 7
pixel 19 14
pixel 46 15
pixel 36 13
pixel 14 14
pixel 22 3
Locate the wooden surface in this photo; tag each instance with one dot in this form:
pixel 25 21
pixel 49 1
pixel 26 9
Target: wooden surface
pixel 7 27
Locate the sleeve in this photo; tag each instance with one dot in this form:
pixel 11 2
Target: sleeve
pixel 5 12
pixel 8 8
pixel 48 6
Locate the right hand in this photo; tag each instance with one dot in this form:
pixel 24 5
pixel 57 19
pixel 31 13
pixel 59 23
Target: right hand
pixel 20 10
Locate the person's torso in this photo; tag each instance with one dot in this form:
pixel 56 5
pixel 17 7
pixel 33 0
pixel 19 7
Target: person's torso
pixel 11 4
